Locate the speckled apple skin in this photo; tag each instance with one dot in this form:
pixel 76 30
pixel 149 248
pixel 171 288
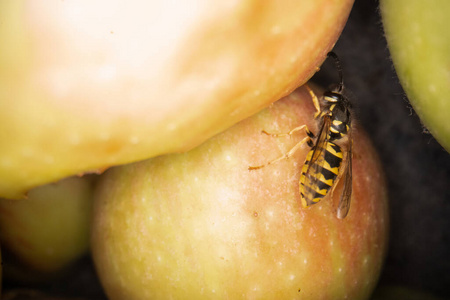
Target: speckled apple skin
pixel 200 225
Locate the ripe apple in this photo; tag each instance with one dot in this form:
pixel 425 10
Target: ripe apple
pixel 85 86
pixel 200 225
pixel 48 231
pixel 419 42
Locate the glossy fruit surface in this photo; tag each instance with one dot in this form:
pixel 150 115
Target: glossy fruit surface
pixel 87 86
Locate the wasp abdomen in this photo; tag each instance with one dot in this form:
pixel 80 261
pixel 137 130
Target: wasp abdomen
pixel 317 178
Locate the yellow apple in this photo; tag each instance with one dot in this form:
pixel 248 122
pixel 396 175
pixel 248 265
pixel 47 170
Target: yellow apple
pixel 48 231
pixel 200 225
pixel 84 86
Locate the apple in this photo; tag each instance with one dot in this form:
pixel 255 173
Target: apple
pixel 85 86
pixel 47 232
pixel 419 43
pixel 200 225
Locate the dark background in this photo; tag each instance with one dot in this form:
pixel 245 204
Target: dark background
pixel 417 167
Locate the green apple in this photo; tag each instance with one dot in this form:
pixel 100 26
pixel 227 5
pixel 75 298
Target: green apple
pixel 47 231
pixel 86 86
pixel 200 225
pixel 419 41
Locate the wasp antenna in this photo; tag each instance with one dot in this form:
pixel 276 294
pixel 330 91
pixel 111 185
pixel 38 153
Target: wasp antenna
pixel 338 65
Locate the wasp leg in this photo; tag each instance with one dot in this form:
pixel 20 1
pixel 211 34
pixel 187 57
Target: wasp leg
pixel 315 100
pixel 285 156
pixel 286 134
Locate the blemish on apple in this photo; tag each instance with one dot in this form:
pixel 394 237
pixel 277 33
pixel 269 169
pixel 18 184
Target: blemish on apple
pixel 105 136
pixel 74 139
pixel 276 29
pixel 5 162
pixel 48 159
pixel 171 126
pixel 27 152
pixel 134 140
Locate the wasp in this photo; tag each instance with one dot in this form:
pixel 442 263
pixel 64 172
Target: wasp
pixel 330 157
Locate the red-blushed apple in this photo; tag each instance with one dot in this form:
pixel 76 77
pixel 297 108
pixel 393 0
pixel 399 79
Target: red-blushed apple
pixel 419 42
pixel 200 225
pixel 47 232
pixel 84 86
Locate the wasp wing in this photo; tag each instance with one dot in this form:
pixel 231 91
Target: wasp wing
pixel 320 144
pixel 344 202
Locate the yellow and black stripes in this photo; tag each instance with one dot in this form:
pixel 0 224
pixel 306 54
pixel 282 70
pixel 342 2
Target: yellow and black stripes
pixel 317 178
pixel 338 129
pixel 326 163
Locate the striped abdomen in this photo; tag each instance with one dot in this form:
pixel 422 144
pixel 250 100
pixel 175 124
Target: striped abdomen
pixel 317 178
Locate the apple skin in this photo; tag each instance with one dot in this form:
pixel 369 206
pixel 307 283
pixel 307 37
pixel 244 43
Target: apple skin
pixel 200 225
pixel 87 86
pixel 47 232
pixel 419 43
